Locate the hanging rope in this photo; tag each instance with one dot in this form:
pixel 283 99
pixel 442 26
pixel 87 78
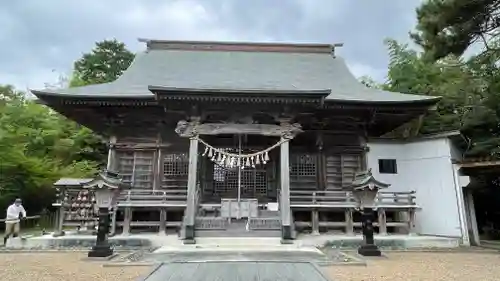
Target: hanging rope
pixel 228 159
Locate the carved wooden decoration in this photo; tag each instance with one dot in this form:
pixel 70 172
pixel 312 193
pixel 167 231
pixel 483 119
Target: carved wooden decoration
pixel 191 129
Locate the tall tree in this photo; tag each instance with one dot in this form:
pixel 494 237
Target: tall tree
pixel 451 26
pixel 470 102
pixel 105 63
pixel 37 147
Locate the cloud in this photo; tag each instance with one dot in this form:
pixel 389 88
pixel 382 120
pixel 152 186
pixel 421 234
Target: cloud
pixel 40 40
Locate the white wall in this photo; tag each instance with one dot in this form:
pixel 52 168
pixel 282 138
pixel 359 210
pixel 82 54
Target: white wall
pixel 424 166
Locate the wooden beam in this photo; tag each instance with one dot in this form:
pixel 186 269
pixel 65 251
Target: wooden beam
pixel 188 129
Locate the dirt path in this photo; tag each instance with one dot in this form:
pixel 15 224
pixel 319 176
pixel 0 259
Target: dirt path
pixel 61 267
pixel 424 266
pixel 399 266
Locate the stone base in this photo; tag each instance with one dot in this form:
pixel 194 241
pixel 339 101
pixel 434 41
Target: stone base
pixel 395 242
pixel 286 241
pixel 188 232
pixel 189 241
pixel 100 252
pixel 100 258
pixel 369 251
pixel 286 232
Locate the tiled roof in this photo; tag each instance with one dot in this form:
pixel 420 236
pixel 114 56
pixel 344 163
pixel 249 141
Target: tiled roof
pixel 245 67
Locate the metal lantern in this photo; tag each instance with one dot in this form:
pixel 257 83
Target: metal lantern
pixel 365 196
pixel 365 188
pixel 106 186
pixel 104 197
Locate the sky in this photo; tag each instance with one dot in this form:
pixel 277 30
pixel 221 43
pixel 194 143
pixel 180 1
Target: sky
pixel 40 40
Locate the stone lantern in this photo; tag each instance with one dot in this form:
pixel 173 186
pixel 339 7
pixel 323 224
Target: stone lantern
pixel 106 187
pixel 365 188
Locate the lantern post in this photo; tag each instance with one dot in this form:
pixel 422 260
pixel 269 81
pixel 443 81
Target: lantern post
pixel 106 187
pixel 365 188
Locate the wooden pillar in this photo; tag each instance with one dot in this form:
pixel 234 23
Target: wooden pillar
pixel 411 221
pixel 382 222
pixel 59 223
pixel 127 218
pixel 58 231
pixel 190 213
pixel 320 164
pixel 112 165
pixel 315 221
pixel 113 221
pixel 157 161
pixel 471 210
pixel 163 221
pixel 349 220
pixel 286 223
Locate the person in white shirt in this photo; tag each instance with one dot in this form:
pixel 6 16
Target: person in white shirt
pixel 12 222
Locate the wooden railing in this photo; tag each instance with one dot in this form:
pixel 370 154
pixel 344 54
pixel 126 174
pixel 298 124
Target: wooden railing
pixel 153 198
pixel 308 198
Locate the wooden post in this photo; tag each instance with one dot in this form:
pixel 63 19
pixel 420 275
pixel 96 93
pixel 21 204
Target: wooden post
pixel 382 222
pixel 190 213
pixel 314 217
pixel 60 220
pixel 471 211
pixel 315 221
pixel 127 218
pixel 285 189
pixel 163 221
pixel 411 221
pixel 113 221
pixel 349 227
pixel 58 231
pixel 111 165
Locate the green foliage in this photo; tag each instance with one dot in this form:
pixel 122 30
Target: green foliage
pixel 38 146
pixel 469 90
pixel 105 63
pixel 451 26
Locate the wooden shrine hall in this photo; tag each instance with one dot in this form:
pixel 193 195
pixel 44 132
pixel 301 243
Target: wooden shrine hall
pixel 236 139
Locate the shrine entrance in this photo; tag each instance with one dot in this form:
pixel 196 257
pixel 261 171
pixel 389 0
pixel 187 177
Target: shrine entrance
pixel 221 181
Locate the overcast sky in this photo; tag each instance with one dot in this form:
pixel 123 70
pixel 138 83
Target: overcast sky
pixel 40 40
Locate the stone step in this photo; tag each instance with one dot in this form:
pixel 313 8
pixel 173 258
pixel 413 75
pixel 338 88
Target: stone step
pixel 239 241
pixel 238 233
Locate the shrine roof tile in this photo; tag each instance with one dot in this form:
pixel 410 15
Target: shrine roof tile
pixel 235 70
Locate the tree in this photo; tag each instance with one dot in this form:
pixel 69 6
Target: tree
pixel 105 63
pixel 37 147
pixel 451 26
pixel 470 101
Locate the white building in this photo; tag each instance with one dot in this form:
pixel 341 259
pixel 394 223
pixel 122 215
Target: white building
pixel 426 166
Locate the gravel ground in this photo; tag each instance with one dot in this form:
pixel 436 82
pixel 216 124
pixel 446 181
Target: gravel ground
pixel 398 266
pixel 423 266
pixel 61 267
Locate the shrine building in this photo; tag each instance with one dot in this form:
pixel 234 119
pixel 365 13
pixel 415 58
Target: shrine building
pixel 257 139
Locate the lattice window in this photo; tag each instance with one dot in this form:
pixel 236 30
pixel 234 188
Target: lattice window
pixel 136 168
pixel 303 165
pixel 225 180
pixel 175 170
pixel 260 182
pixel 176 164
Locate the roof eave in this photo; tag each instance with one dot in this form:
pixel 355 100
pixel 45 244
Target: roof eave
pixel 41 94
pixel 425 101
pixel 196 92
